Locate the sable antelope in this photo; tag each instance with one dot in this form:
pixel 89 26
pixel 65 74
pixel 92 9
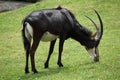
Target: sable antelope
pixel 50 24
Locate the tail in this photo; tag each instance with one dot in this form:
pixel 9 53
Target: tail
pixel 26 42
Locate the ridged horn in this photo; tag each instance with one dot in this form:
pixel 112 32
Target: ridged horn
pixel 99 31
pixel 93 23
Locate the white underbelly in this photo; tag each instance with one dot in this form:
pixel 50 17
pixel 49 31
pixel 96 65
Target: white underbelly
pixel 47 36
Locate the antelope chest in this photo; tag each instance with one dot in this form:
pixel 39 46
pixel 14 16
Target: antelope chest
pixel 47 36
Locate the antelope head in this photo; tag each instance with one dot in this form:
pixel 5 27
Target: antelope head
pixel 94 52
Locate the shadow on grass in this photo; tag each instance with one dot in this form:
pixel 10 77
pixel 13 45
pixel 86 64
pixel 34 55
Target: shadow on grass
pixel 44 72
pixel 52 71
pixel 88 63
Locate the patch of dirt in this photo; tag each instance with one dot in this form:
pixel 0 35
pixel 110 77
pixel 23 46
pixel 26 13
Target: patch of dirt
pixel 11 5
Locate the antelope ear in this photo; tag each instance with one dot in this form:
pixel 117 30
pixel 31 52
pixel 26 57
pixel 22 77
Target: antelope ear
pixel 93 36
pixel 97 36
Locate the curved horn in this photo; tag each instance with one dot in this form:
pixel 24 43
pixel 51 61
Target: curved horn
pixel 93 23
pixel 100 32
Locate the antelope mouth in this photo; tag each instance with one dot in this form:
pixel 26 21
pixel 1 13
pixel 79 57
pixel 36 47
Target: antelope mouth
pixel 96 59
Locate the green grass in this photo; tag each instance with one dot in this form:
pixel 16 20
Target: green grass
pixel 77 63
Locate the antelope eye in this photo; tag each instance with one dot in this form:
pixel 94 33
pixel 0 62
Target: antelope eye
pixel 86 48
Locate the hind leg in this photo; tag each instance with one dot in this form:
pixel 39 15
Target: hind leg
pixel 36 40
pixel 27 59
pixel 26 42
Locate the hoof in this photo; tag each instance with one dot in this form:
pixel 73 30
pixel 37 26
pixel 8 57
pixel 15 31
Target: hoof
pixel 60 64
pixel 26 72
pixel 35 71
pixel 46 65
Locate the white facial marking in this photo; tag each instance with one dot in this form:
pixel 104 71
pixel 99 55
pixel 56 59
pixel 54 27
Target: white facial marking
pixel 92 52
pixel 47 36
pixel 28 31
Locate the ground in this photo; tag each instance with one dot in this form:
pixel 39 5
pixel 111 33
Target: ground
pixel 77 63
pixel 10 5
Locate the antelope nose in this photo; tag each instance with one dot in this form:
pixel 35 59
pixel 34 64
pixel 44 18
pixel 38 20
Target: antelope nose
pixel 96 59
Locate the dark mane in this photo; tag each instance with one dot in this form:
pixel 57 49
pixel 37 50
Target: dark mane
pixel 58 8
pixel 86 31
pixel 83 29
